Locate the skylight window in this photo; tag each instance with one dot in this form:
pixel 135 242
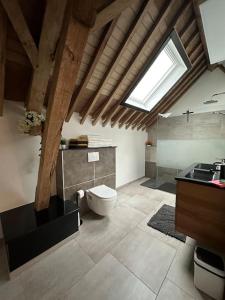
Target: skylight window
pixel 160 75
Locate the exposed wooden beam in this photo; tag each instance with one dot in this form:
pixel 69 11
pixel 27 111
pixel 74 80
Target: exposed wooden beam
pixel 171 98
pixel 19 24
pixel 111 113
pixel 193 36
pixel 118 117
pixel 200 28
pixel 68 59
pixel 132 119
pixel 127 118
pixel 142 47
pixel 110 12
pixel 50 33
pixel 3 29
pixel 141 116
pixel 115 60
pixel 99 50
pixel 181 93
pixel 186 28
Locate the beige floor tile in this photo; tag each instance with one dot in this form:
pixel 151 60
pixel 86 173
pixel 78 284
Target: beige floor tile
pixel 148 258
pixel 142 203
pixel 126 217
pixel 182 272
pixel 56 272
pixel 9 289
pixel 110 280
pixel 170 291
pixel 98 235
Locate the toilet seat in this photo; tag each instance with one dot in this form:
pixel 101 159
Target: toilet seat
pixel 101 199
pixel 103 192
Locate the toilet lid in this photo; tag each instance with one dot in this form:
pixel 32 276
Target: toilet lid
pixel 103 191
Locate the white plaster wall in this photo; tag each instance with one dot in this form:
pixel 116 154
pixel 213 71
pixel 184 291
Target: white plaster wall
pixel 209 83
pixel 130 152
pixel 19 160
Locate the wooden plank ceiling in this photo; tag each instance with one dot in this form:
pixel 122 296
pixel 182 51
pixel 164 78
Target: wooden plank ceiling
pixel 113 57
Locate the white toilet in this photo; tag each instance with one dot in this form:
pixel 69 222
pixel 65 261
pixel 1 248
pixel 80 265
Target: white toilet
pixel 101 199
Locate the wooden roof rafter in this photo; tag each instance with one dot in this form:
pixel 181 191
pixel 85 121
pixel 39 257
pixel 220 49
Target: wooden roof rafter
pixel 142 47
pixel 3 29
pixel 182 33
pixel 119 116
pixel 46 53
pixel 115 60
pixel 103 41
pixel 20 26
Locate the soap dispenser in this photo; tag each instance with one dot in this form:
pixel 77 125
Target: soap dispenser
pixel 222 169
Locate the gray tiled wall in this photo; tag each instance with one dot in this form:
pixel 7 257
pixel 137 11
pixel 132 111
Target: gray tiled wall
pixel 74 172
pixel 200 126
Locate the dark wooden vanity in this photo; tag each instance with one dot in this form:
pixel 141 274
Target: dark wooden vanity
pixel 200 210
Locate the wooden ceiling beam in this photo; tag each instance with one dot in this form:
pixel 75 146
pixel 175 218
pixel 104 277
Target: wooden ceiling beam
pixel 50 33
pixel 99 50
pixel 171 98
pixel 20 26
pixel 111 113
pixel 115 60
pixel 132 119
pixel 181 93
pixel 110 12
pixel 142 47
pixel 68 59
pixel 141 116
pixel 190 23
pixel 127 118
pixel 3 29
pixel 119 116
pixel 186 28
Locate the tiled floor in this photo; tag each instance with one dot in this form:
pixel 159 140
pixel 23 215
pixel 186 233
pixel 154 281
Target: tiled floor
pixel 113 258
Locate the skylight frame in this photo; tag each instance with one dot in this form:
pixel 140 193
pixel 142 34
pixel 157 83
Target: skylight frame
pixel 180 49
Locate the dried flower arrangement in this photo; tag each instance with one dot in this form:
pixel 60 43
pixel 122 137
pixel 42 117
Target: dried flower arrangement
pixel 32 123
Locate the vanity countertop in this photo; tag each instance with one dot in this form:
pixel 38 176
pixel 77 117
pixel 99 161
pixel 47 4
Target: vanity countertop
pixel 200 173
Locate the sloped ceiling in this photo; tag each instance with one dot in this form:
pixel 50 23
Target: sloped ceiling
pixel 113 58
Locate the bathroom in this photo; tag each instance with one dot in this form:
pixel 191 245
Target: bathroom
pixel 111 181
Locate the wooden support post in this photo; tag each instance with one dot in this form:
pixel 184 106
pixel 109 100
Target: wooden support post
pixel 51 29
pixel 3 24
pixel 68 60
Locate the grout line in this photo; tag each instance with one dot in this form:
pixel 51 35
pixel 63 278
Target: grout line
pixel 138 278
pixel 190 295
pixel 89 181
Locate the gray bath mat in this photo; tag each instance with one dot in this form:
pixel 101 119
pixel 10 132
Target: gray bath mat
pixel 152 183
pixel 164 221
pixel 168 187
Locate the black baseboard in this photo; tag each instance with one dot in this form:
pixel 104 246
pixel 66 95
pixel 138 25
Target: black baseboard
pixel 28 233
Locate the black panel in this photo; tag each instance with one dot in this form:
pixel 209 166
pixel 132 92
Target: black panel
pixel 28 233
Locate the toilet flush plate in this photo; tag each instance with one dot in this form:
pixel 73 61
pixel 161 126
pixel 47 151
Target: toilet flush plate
pixel 93 156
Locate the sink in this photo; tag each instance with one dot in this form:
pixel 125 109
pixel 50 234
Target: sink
pixel 203 166
pixel 201 174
